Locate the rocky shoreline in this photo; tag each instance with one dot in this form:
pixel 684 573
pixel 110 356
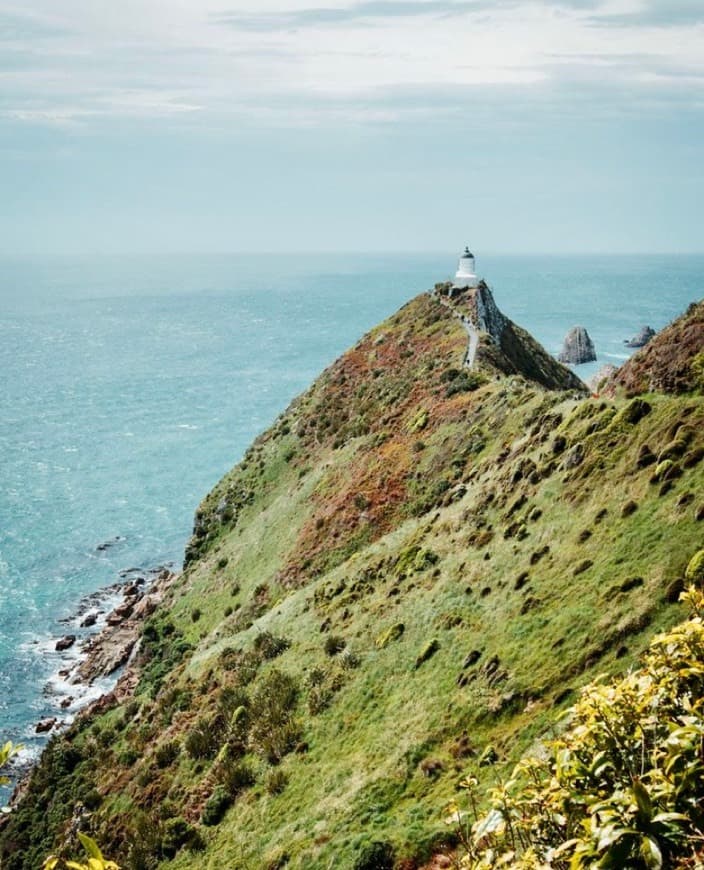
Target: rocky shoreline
pixel 92 662
pixel 94 655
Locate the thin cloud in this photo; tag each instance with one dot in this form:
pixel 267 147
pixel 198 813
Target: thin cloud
pixel 357 13
pixel 67 64
pixel 16 27
pixel 657 13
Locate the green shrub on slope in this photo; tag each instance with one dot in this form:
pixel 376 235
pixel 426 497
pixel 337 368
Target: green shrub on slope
pixel 624 786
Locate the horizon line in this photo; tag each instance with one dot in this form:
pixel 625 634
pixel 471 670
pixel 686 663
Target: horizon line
pixel 349 252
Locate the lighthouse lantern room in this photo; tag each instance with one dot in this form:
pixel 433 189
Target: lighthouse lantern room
pixel 466 276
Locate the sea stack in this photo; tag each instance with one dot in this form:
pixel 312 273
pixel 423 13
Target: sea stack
pixel 641 338
pixel 577 347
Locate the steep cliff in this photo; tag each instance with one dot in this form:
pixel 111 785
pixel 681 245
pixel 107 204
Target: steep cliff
pixel 401 583
pixel 507 348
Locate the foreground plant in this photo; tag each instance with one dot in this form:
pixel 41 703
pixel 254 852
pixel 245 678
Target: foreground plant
pixel 623 787
pixel 6 753
pixel 95 860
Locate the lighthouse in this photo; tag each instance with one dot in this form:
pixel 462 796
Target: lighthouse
pixel 466 276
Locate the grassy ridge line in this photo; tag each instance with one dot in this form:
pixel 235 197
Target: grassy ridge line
pixel 485 538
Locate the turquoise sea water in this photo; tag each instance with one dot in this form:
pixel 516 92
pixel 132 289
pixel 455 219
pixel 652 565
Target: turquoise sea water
pixel 130 385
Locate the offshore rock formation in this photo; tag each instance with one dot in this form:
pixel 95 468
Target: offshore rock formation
pixel 577 348
pixel 641 338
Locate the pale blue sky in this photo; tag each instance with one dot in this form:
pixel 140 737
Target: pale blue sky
pixel 217 125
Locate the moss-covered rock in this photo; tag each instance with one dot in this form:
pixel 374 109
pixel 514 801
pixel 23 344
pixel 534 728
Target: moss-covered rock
pixel 634 412
pixel 391 634
pixel 666 471
pixel 428 651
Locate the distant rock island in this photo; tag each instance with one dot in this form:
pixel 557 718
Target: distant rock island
pixel 577 347
pixel 641 338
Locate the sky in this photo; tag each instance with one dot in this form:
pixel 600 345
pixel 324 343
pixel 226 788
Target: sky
pixel 518 126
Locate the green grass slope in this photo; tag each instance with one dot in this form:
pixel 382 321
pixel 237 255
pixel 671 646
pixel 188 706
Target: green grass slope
pixel 404 580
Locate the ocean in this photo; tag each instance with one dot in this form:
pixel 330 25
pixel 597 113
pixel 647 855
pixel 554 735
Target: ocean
pixel 129 385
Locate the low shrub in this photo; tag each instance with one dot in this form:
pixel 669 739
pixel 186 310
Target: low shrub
pixel 269 646
pixel 235 776
pixel 216 806
pixel 349 659
pixel 334 644
pixel 167 753
pixel 128 757
pixel 177 834
pixel 274 729
pixel 319 699
pixel 465 382
pixel 276 781
pixel 204 739
pixel 378 855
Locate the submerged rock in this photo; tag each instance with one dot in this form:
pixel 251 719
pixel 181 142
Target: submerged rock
pixel 101 548
pixel 65 643
pixel 577 347
pixel 642 337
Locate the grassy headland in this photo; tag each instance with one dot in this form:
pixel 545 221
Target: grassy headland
pixel 405 579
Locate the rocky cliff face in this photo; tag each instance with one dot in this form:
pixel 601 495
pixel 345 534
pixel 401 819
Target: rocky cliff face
pixel 506 347
pixel 577 347
pixel 404 580
pixel 489 318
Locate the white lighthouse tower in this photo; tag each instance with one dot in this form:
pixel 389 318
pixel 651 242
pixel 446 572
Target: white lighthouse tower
pixel 466 276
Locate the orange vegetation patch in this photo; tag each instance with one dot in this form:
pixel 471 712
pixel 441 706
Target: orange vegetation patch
pixel 389 393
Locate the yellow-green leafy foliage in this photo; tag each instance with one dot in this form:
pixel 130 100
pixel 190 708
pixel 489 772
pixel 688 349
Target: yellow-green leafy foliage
pixel 419 421
pixel 623 787
pixel 6 753
pixel 94 859
pixel 695 568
